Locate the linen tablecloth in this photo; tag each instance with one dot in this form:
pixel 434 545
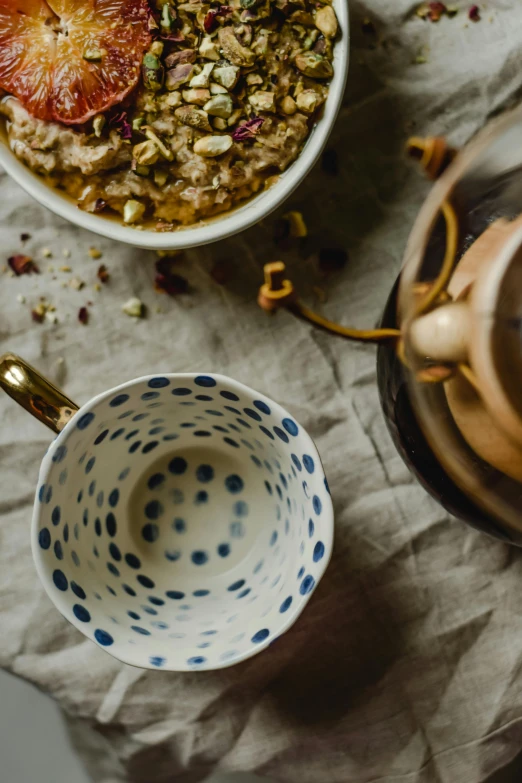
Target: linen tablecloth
pixel 406 666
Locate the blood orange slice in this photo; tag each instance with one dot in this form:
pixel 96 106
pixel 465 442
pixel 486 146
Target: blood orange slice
pixel 67 60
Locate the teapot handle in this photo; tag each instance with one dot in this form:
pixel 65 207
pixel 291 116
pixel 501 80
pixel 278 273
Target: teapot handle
pixel 35 393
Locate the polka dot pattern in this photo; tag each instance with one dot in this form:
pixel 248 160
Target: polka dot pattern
pixel 174 525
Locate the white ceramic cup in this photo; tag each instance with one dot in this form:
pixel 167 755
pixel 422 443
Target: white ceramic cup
pixel 218 227
pixel 181 521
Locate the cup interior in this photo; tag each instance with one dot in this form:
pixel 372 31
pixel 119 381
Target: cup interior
pixel 182 521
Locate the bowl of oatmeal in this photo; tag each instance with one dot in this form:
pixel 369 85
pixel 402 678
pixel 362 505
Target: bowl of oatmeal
pixel 167 124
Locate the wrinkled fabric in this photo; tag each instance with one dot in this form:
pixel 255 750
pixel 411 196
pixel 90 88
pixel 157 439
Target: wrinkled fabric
pixel 406 665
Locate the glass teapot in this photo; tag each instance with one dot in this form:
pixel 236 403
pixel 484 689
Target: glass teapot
pixel 449 361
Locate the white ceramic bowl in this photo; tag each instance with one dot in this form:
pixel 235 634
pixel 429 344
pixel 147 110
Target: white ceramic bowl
pixel 219 227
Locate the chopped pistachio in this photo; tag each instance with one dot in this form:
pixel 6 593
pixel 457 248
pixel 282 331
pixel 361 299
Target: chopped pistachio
pixel 254 78
pixel 65 269
pixel 309 100
pixel 233 50
pixel 326 21
pixel 157 48
pixel 314 65
pixel 212 146
pixel 139 169
pixel 133 211
pixel 94 54
pixel 137 123
pixel 146 153
pixel 218 123
pixel 288 105
pixel 235 117
pixel 95 253
pixel 133 307
pixel 46 252
pixel 209 49
pixel 160 177
pixel 226 75
pixel 197 96
pixel 217 89
pixel 153 72
pixel 98 124
pixel 262 100
pixel 219 106
pixel 195 118
pixel 166 18
pixel 179 75
pixel 310 39
pixel 171 101
pixel 202 79
pixel 164 150
pixel 76 283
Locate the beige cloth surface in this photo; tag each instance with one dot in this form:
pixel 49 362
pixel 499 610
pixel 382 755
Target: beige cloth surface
pixel 406 666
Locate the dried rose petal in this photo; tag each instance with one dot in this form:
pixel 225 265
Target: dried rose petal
pixel 474 13
pixel 102 273
pixel 22 265
pixel 38 316
pixel 332 259
pixel 248 130
pixel 120 123
pixel 24 237
pixel 211 21
pixel 83 315
pixel 99 205
pixel 436 10
pixel 176 37
pixel 171 284
pixel 222 271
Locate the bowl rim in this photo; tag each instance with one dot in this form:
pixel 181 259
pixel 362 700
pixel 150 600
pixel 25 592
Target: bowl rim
pixel 46 466
pixel 219 227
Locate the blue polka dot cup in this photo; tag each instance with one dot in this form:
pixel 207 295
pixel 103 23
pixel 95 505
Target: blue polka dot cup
pixel 181 522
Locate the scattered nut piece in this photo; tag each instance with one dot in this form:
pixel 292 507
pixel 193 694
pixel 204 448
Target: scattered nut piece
pixel 133 211
pixel 219 106
pixel 66 252
pixel 65 269
pixel 226 75
pixel 288 105
pixel 219 124
pixel 103 273
pixel 196 96
pixel 46 252
pixel 217 89
pixel 133 307
pixel 209 49
pixel 146 153
pixel 234 51
pixel 212 146
pixel 202 79
pixel 95 253
pixel 195 118
pixel 21 298
pixel 76 283
pixel 178 76
pixel 262 100
pixel 98 124
pixel 309 100
pixel 314 65
pixel 326 21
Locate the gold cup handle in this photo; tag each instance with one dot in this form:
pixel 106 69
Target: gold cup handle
pixel 35 393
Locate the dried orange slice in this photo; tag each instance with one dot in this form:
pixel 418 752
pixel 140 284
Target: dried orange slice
pixel 67 60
